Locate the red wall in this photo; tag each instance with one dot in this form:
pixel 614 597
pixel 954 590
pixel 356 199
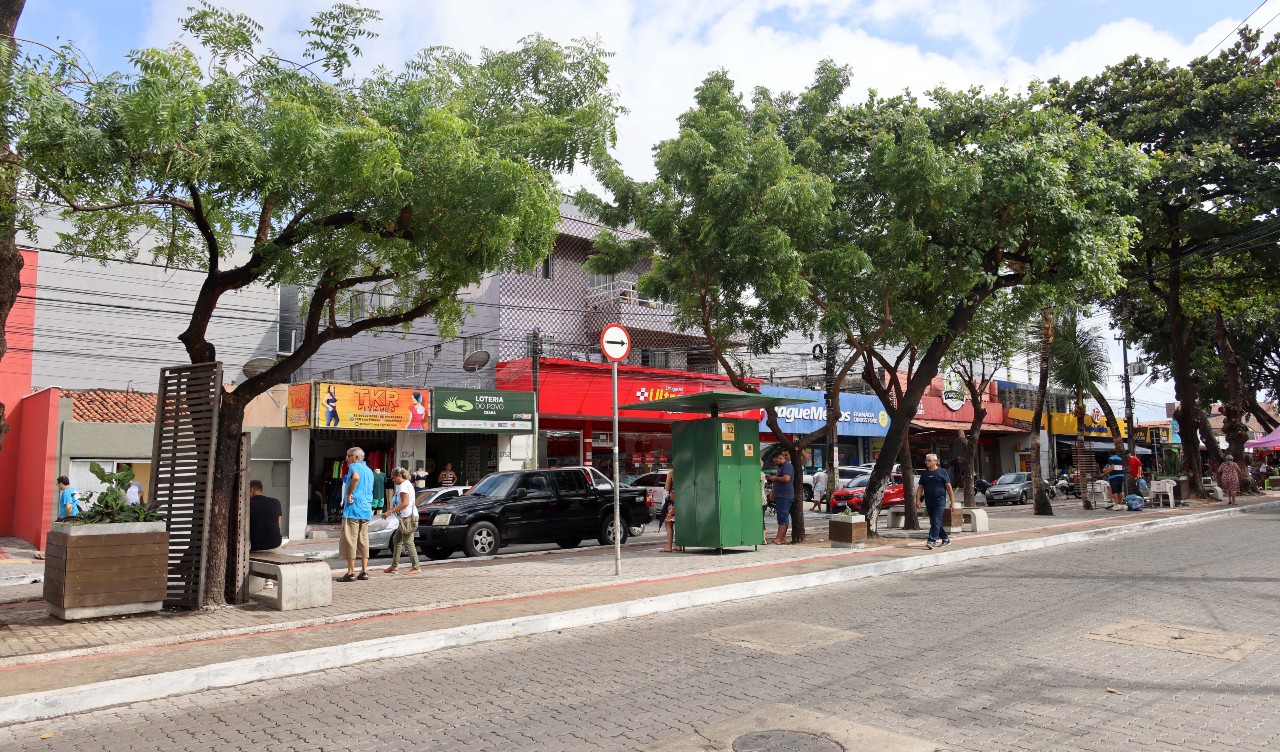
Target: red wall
pixel 30 459
pixel 15 369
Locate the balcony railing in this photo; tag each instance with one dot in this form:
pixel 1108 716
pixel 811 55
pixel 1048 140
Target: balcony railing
pixel 623 291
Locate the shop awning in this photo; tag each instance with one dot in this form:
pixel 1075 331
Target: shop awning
pixel 960 425
pixel 1269 441
pixel 1102 446
pixel 713 401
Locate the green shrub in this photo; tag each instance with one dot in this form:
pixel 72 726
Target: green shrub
pixel 112 504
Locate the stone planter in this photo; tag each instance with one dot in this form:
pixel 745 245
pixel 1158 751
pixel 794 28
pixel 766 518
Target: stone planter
pixel 105 569
pixel 847 531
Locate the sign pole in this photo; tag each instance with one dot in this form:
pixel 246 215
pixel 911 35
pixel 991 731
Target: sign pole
pixel 615 344
pixel 617 505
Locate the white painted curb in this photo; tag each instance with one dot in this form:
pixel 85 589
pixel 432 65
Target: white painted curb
pixel 36 706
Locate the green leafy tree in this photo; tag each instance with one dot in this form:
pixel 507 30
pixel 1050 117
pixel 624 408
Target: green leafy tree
pixel 959 199
pixel 1212 131
pixel 731 225
pixel 413 183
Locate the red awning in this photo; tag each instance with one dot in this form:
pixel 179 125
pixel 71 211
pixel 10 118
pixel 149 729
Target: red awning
pixel 960 425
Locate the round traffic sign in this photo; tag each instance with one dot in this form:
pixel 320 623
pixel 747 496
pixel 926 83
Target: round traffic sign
pixel 615 343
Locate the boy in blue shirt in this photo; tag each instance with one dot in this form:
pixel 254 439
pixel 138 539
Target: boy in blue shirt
pixel 68 504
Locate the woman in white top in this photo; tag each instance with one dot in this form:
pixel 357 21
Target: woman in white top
pixel 407 511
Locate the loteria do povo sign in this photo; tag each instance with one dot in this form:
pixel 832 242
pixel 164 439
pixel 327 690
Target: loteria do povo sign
pixel 481 411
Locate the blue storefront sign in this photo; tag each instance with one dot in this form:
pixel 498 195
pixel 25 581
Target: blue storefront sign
pixel 860 414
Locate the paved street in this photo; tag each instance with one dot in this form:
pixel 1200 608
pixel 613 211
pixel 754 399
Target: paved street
pixel 987 655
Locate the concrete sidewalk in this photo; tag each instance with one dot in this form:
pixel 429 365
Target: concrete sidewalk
pixel 52 668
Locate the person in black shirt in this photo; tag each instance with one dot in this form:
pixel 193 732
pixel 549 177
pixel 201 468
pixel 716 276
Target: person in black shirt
pixel 934 484
pixel 264 519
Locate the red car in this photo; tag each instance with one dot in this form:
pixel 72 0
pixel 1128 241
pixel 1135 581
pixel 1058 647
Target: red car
pixel 853 492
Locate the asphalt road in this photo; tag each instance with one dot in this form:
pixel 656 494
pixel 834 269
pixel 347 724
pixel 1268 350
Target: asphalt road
pixel 988 655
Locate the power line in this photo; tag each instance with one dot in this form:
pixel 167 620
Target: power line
pixel 1237 28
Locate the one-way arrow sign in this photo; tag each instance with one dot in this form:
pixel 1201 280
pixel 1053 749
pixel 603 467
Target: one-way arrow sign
pixel 615 343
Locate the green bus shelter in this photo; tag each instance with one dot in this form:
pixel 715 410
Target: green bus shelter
pixel 716 464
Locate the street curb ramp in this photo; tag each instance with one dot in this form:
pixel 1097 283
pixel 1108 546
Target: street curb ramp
pixel 35 706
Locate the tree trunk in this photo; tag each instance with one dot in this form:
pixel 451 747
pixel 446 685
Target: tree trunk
pixel 10 257
pixel 970 449
pixel 1042 504
pixel 225 489
pixel 1081 439
pixel 1113 425
pixel 1264 418
pixel 1185 386
pixel 1233 408
pixel 911 520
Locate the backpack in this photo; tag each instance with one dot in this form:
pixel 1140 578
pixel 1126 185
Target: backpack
pixel 1135 502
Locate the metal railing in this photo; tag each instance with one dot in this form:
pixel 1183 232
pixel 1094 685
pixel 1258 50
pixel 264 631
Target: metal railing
pixel 625 291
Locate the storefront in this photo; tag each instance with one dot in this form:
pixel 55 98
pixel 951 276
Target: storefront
pixel 944 417
pixel 862 423
pixel 1058 436
pixel 575 406
pixel 413 428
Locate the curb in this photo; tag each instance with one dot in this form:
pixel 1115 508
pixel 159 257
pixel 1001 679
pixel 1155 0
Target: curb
pixel 36 706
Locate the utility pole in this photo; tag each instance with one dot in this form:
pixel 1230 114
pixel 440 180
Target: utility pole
pixel 535 353
pixel 1128 411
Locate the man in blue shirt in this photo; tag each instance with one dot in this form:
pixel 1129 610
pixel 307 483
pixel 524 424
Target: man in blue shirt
pixel 934 484
pixel 784 494
pixel 68 504
pixel 357 510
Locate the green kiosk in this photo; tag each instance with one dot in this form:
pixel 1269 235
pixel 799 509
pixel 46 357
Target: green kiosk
pixel 716 463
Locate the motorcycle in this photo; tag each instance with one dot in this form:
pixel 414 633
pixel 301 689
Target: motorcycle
pixel 1064 486
pixel 979 484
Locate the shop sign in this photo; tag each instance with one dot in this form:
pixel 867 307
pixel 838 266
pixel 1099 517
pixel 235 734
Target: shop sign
pixel 481 411
pixel 370 407
pixel 1064 424
pixel 860 414
pixel 297 413
pixel 953 393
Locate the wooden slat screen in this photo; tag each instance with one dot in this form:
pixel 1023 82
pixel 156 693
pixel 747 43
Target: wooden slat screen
pixel 182 460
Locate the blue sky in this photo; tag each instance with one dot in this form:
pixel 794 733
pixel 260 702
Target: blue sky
pixel 665 47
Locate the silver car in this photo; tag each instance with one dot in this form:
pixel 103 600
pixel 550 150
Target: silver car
pixel 380 530
pixel 1010 488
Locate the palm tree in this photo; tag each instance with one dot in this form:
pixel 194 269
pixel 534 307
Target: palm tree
pixel 1080 363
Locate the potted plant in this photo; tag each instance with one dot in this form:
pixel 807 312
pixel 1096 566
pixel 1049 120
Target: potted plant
pixel 848 529
pixel 112 560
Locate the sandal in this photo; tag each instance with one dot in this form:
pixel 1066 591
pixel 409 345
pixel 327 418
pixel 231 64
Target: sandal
pixel 391 570
pixel 414 570
pixel 348 577
pixel 363 576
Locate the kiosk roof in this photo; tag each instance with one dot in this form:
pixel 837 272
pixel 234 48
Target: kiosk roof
pixel 714 401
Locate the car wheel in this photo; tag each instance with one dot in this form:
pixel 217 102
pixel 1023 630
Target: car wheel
pixel 436 553
pixel 568 542
pixel 808 494
pixel 1022 498
pixel 605 535
pixel 991 503
pixel 482 539
pixel 635 530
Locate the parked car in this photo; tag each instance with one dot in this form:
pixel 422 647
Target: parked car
pixel 561 506
pixel 380 531
pixel 1010 488
pixel 854 491
pixel 656 484
pixel 602 480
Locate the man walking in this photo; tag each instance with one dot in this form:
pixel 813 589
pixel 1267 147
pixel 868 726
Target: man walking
pixel 784 494
pixel 264 519
pixel 819 489
pixel 357 510
pixel 934 485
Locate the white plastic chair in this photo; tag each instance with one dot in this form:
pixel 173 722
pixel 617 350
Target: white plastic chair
pixel 1160 491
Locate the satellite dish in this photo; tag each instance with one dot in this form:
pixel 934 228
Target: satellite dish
pixel 256 366
pixel 475 361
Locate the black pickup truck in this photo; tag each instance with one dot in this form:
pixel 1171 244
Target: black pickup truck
pixel 561 506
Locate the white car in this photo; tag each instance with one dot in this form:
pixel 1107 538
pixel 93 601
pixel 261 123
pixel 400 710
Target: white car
pixel 380 530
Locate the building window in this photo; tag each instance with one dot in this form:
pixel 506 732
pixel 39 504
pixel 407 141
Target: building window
pixel 356 306
pixel 354 372
pixel 412 363
pixel 472 344
pixel 327 375
pixel 603 280
pixel 655 358
pixel 384 369
pixel 541 270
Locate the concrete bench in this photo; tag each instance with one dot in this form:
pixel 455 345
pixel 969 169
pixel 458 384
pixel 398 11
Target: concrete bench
pixel 975 520
pixel 300 583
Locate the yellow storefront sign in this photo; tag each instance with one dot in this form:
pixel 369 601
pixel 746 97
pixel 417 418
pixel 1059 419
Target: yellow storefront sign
pixel 1064 424
pixel 370 407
